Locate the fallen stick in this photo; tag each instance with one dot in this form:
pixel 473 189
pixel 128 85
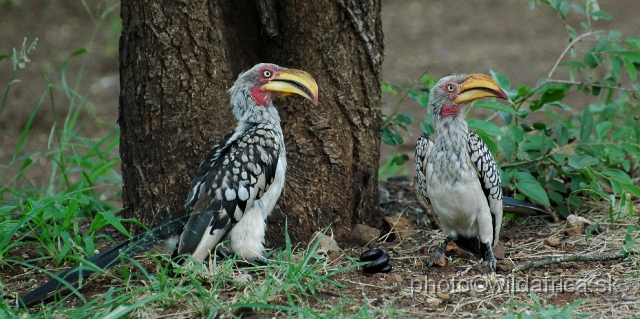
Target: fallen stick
pixel 564 259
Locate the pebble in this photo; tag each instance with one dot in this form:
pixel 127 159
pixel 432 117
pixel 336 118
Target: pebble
pixel 443 296
pixel 433 302
pixel 397 226
pixel 552 241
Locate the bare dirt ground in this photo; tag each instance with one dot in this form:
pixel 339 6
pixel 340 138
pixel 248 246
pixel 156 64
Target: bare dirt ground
pixel 462 36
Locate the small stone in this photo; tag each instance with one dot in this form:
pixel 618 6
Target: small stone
pixel 397 226
pixel 333 255
pixel 242 277
pixel 472 293
pixel 443 296
pixel 364 235
pixel 433 302
pixel 453 250
pixel 498 250
pixel 354 308
pixel 573 231
pixel 327 244
pixel 577 221
pixel 552 241
pixel 395 278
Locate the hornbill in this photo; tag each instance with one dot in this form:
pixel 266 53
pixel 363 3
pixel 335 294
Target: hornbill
pixel 233 191
pixel 456 173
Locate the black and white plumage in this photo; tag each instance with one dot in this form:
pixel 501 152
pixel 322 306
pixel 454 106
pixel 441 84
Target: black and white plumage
pixel 234 190
pixel 456 173
pixel 237 186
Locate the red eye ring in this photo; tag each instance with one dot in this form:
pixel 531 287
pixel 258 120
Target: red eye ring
pixel 450 87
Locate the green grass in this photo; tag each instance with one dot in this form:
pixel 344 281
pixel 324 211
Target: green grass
pixel 290 285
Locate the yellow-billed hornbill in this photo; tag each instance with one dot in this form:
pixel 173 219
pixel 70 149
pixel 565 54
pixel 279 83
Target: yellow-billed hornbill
pixel 233 191
pixel 456 173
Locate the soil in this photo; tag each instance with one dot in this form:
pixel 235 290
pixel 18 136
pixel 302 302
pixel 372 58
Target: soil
pixel 462 36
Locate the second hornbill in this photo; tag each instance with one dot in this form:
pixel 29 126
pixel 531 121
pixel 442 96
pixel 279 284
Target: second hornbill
pixel 456 173
pixel 233 191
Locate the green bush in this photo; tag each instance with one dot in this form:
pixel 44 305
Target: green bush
pixel 561 161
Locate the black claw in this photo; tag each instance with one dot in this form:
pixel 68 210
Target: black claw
pixel 223 253
pixel 260 261
pixel 490 260
pixel 439 253
pixel 379 261
pixel 436 255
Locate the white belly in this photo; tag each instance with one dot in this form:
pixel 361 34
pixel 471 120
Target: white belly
pixel 456 201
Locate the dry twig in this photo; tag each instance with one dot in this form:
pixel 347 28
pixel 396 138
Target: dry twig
pixel 564 259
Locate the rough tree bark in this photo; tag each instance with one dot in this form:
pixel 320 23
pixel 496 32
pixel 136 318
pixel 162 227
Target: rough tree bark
pixel 178 58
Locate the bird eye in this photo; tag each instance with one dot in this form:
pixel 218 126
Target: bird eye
pixel 451 88
pixel 266 73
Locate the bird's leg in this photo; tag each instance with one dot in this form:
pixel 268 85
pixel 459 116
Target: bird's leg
pixel 223 253
pixel 439 253
pixel 490 259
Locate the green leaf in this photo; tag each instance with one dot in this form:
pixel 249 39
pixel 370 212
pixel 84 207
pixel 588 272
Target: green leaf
pixel 631 69
pixel 602 129
pixel 601 15
pixel 617 175
pixel 525 176
pixel 508 146
pixel 493 147
pixel 633 42
pixel 493 105
pixel 387 88
pixel 622 133
pixel 560 158
pixel 533 190
pixel 633 189
pixel 582 161
pixel 405 118
pixel 517 132
pixel 562 134
pixel 552 95
pixel 615 66
pixel 587 124
pixel 114 221
pixel 488 127
pixel 502 80
pixel 592 59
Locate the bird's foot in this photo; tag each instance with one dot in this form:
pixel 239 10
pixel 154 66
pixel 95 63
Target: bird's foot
pixel 490 259
pixel 223 253
pixel 436 255
pixel 252 262
pixel 439 253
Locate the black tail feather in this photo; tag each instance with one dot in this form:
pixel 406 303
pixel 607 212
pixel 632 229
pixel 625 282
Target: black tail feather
pixel 172 225
pixel 512 205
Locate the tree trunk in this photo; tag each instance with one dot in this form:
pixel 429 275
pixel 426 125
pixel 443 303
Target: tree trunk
pixel 177 60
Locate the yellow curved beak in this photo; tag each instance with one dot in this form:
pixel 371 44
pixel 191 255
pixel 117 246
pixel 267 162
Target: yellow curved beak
pixel 293 81
pixel 477 86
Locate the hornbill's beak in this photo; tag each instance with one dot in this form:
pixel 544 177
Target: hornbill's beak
pixel 293 81
pixel 477 86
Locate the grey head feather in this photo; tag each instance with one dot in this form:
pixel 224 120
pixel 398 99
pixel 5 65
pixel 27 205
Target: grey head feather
pixel 438 97
pixel 244 107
